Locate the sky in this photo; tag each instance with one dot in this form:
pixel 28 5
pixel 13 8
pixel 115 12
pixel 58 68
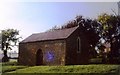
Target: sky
pixel 36 17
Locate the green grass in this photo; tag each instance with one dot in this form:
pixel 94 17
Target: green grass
pixel 13 68
pixel 10 66
pixel 69 69
pixel 13 63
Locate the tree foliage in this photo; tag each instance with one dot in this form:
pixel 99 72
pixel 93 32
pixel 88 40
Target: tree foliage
pixel 109 30
pixel 8 36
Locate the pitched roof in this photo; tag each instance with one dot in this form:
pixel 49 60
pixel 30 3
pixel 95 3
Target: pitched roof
pixel 52 35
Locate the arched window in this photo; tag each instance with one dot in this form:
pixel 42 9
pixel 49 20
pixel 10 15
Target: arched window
pixel 78 45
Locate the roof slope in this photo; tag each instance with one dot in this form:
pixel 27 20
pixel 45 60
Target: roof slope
pixel 52 35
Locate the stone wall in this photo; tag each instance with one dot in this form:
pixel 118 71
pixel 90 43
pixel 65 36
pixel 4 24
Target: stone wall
pixel 72 55
pixel 53 52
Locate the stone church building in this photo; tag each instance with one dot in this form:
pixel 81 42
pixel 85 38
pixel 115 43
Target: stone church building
pixel 58 47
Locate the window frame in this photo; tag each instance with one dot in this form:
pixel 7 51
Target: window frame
pixel 78 45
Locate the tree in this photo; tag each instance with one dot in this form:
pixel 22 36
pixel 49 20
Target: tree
pixel 53 28
pixel 109 31
pixel 8 36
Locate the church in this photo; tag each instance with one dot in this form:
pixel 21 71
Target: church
pixel 59 47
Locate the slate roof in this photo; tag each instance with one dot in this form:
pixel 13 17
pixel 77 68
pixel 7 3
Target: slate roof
pixel 52 35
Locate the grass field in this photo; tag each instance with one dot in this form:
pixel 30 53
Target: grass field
pixel 101 69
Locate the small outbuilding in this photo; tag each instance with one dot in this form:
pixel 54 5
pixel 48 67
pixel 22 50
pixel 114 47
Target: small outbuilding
pixel 58 47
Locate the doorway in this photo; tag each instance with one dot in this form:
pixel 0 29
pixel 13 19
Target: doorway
pixel 39 57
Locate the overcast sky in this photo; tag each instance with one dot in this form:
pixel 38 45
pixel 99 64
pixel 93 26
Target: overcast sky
pixel 35 17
